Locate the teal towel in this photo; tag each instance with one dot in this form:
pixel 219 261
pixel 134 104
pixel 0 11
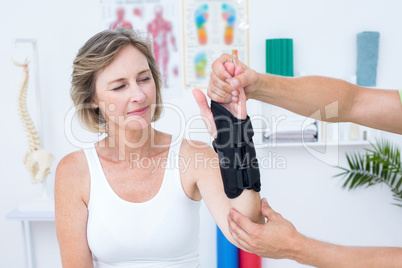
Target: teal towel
pixel 279 56
pixel 367 58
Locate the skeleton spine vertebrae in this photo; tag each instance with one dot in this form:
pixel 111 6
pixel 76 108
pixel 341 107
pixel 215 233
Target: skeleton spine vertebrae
pixel 38 160
pixel 33 137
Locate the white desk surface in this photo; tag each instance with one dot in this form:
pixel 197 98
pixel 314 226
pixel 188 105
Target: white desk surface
pixel 30 215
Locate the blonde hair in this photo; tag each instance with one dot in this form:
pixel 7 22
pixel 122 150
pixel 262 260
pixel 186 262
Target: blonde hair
pixel 97 53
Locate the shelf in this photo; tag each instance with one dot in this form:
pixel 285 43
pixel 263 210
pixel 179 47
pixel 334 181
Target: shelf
pixel 314 144
pixel 31 215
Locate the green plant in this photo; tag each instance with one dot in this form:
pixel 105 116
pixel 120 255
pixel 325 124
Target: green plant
pixel 379 164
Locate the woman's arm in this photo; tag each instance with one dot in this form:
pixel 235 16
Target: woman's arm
pixel 209 179
pixel 205 173
pixel 71 211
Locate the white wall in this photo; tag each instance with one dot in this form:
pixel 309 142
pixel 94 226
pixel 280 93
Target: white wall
pixel 324 44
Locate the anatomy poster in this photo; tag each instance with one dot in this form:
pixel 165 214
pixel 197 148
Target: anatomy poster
pixel 158 20
pixel 212 27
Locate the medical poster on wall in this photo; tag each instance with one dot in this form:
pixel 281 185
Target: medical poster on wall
pixel 210 28
pixel 158 20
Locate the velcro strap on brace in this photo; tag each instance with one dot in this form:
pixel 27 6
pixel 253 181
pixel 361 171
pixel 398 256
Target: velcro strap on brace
pixel 237 158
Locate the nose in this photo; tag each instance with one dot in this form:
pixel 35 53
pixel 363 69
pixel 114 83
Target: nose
pixel 136 94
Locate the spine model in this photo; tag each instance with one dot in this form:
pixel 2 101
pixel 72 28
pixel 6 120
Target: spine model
pixel 38 160
pixel 33 137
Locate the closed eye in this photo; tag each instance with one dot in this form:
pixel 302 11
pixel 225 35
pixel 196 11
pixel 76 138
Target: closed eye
pixel 119 87
pixel 144 79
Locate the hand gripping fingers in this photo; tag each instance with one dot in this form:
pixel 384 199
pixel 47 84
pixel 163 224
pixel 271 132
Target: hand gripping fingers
pixel 218 68
pixel 219 91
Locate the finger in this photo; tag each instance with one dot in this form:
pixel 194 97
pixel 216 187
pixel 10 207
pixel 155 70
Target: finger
pixel 219 69
pixel 217 98
pixel 241 100
pixel 219 91
pixel 235 93
pixel 237 71
pixel 239 90
pixel 221 85
pixel 267 211
pixel 241 243
pixel 240 80
pixel 201 101
pixel 230 68
pixel 240 232
pixel 205 111
pixel 242 221
pixel 239 235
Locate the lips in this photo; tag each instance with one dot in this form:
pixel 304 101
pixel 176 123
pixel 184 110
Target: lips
pixel 140 111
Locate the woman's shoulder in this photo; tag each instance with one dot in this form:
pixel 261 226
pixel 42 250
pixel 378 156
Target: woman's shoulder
pixel 73 159
pixel 72 179
pixel 192 147
pixel 73 165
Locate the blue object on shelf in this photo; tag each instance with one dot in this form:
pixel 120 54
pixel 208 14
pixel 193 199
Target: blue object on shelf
pixel 367 58
pixel 227 253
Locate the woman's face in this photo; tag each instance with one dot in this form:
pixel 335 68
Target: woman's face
pixel 125 91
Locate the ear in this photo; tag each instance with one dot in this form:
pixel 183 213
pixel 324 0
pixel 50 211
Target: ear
pixel 94 103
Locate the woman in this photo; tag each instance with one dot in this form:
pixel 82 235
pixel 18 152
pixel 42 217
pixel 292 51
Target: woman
pixel 111 210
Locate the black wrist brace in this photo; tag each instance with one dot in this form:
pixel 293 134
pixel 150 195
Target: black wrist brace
pixel 237 158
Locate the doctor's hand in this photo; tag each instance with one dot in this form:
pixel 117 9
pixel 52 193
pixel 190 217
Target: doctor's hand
pixel 276 238
pixel 238 109
pixel 223 84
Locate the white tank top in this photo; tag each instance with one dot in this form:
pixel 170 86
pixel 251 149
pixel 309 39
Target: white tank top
pixel 161 232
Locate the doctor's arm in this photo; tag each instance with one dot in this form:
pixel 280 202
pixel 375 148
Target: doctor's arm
pixel 279 239
pixel 335 99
